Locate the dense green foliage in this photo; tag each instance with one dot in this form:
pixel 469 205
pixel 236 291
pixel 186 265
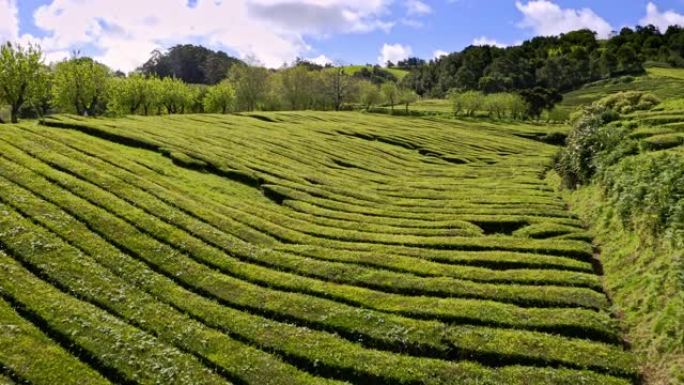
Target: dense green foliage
pixel 375 75
pixel 23 79
pixel 564 62
pixel 499 105
pixel 647 193
pixel 80 86
pixel 190 63
pixel 628 102
pixel 594 145
pixel 220 98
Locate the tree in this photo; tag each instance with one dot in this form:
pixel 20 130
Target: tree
pixel 628 61
pixel 296 87
pixel 219 98
pixel 80 86
pixel 338 86
pixel 197 93
pixel 369 94
pixel 515 105
pixel 608 63
pixel 456 101
pixel 153 100
pixel 130 95
pixel 495 104
pixel 496 83
pixel 410 63
pixel 174 95
pixel 21 76
pixel 539 99
pixel 250 84
pixel 472 102
pixel 391 93
pixel 40 92
pixel 406 97
pixel 190 63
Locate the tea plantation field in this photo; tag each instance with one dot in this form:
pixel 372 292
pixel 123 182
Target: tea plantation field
pixel 294 248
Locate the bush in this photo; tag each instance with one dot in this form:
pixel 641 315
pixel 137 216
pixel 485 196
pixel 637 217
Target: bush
pixel 589 145
pixel 630 101
pixel 647 192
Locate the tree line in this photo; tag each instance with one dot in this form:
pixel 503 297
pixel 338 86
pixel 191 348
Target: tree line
pixel 559 63
pixel 83 86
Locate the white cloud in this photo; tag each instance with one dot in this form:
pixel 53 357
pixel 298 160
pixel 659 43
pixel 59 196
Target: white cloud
pixel 662 20
pixel 321 16
pixel 483 40
pixel 439 53
pixel 394 53
pixel 321 60
pixel 417 7
pixel 272 31
pixel 9 21
pixel 547 18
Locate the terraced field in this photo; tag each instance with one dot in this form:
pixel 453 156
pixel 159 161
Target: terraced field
pixel 294 248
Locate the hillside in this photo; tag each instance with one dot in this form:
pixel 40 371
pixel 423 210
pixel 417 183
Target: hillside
pixel 294 248
pixel 397 72
pixel 666 83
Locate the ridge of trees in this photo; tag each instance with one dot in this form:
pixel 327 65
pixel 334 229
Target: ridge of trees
pixel 191 78
pixel 83 86
pixel 562 62
pixel 190 63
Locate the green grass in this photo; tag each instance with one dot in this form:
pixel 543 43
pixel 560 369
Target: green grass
pixel 443 106
pixel 303 248
pixel 645 276
pixel 675 73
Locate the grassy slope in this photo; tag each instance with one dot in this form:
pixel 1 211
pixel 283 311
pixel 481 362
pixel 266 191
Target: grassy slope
pixel 643 275
pixel 645 280
pixel 312 248
pixel 433 105
pixel 666 83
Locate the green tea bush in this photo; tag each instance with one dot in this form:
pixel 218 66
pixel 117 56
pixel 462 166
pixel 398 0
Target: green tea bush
pixel 630 101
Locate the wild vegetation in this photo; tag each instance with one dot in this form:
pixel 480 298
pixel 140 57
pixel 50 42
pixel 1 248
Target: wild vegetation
pixel 624 157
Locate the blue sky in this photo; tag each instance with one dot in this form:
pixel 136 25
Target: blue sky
pixel 122 33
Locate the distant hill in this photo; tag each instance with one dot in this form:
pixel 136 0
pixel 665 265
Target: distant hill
pixel 398 72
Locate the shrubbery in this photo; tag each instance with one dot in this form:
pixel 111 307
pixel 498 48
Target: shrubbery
pixel 630 101
pixel 587 144
pixel 647 193
pixel 645 188
pixel 593 144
